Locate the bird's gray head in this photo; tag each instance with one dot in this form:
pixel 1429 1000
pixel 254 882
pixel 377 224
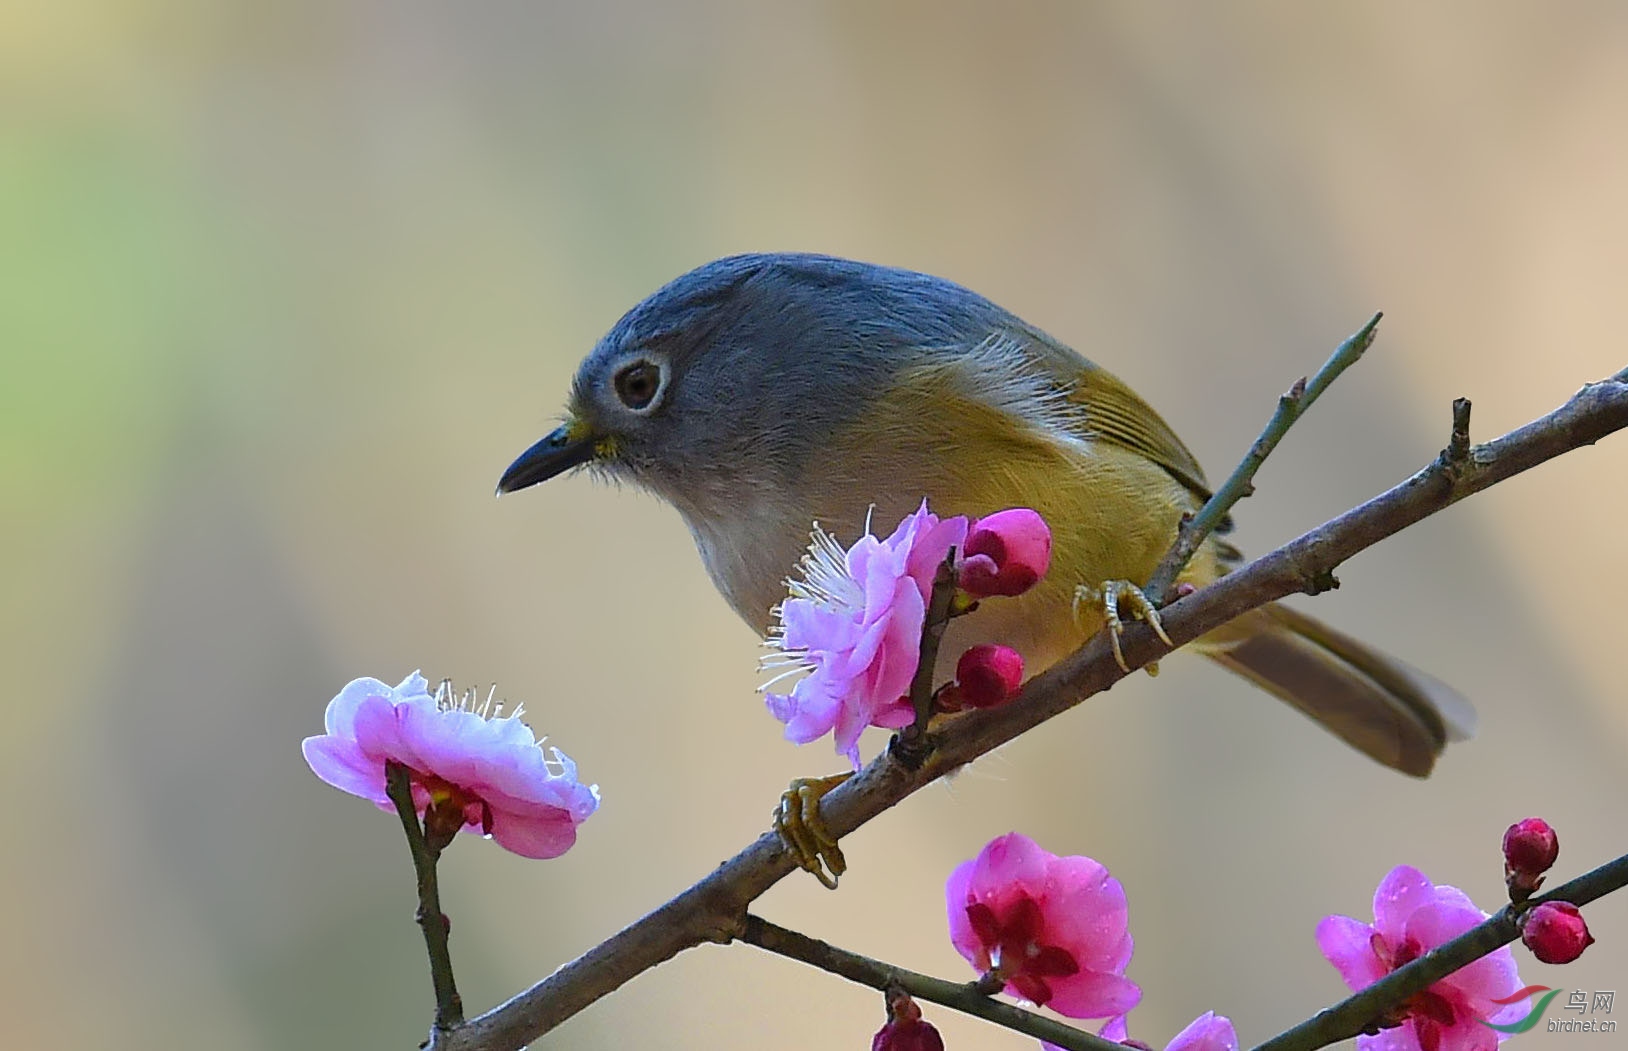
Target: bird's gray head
pixel 721 385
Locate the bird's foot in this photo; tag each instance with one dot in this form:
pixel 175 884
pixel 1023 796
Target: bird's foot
pixel 804 831
pixel 1108 598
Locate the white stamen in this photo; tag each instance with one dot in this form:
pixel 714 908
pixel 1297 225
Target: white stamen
pixel 822 578
pixel 797 669
pixel 448 699
pixel 825 578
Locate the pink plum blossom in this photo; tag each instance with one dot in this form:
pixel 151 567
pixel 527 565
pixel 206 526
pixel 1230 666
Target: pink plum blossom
pixel 1208 1032
pixel 1054 928
pixel 854 620
pixel 458 754
pixel 1006 553
pixel 1411 917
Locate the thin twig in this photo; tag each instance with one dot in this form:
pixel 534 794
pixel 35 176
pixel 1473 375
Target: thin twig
pixel 965 997
pixel 1360 1012
pixel 713 909
pixel 908 748
pixel 449 1006
pixel 1241 483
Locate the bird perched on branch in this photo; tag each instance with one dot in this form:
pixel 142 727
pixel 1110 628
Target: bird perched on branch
pixel 759 394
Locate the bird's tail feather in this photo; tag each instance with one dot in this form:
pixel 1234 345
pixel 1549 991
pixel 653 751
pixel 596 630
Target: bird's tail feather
pixel 1383 707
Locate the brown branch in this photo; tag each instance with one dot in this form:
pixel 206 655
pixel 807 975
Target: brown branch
pixel 1360 1012
pixel 714 908
pixel 966 997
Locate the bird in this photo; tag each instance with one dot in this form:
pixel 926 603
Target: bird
pixel 761 393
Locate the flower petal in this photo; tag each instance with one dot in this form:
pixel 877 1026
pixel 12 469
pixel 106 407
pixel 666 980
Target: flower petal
pixel 413 687
pixel 1009 867
pixel 809 711
pixel 1403 890
pixel 1093 994
pixel 378 732
pixel 543 832
pixel 957 895
pixel 1401 1038
pixel 1208 1032
pixel 1348 945
pixel 1086 912
pixel 1467 1034
pixel 932 545
pixel 340 717
pixel 340 763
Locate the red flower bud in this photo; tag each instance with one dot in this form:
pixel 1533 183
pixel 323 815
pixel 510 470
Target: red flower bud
pixel 1005 553
pixel 905 1030
pixel 1555 932
pixel 987 676
pixel 1530 848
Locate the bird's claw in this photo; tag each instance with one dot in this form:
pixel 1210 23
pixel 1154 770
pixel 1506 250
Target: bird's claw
pixel 797 819
pixel 1108 598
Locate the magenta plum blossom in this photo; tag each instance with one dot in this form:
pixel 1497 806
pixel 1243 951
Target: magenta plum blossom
pixel 1006 553
pixel 1411 917
pixel 854 620
pixel 1208 1032
pixel 459 756
pixel 1054 928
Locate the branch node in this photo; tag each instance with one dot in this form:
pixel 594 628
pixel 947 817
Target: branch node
pixel 1321 581
pixel 987 984
pixel 910 748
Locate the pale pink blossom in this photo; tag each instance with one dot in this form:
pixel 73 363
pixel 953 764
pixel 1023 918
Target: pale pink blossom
pixel 458 754
pixel 1054 928
pixel 1411 917
pixel 854 622
pixel 1006 553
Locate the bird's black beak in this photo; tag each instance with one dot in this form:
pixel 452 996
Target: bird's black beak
pixel 570 445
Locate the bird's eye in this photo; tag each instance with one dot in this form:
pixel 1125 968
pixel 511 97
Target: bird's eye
pixel 637 384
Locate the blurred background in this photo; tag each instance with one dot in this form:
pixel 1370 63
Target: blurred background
pixel 284 286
